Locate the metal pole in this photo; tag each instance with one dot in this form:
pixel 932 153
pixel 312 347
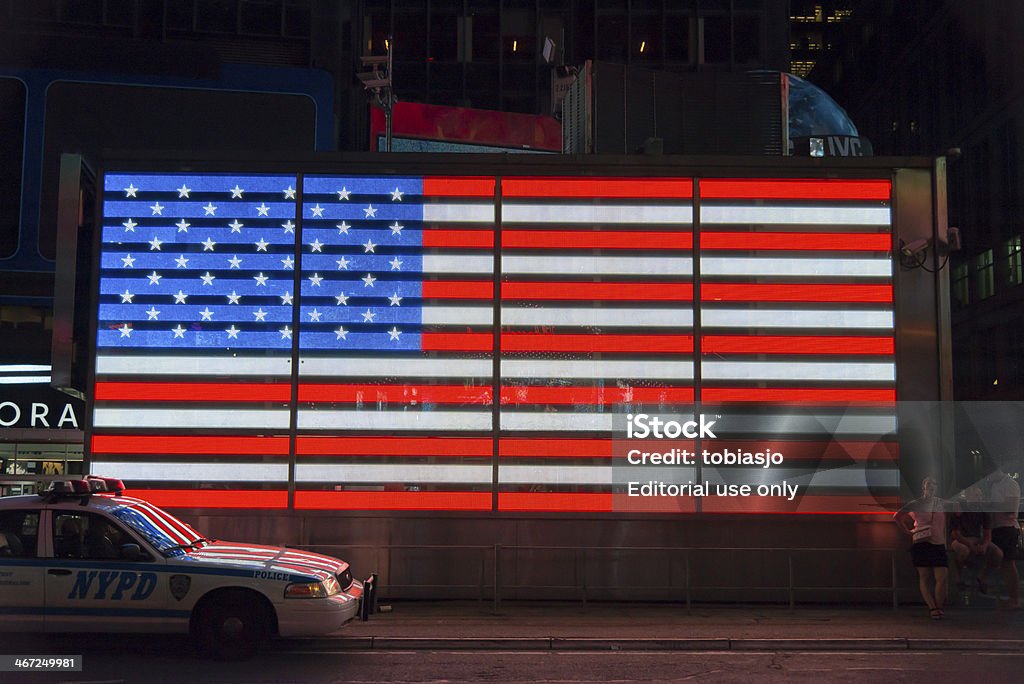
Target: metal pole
pixel 687 576
pixel 390 95
pixel 895 593
pixel 497 577
pixel 792 597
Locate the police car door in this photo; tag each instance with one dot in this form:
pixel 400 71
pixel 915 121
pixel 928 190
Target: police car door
pixel 21 579
pixel 90 583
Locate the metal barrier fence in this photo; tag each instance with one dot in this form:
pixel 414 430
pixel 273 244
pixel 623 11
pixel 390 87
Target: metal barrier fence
pixel 491 580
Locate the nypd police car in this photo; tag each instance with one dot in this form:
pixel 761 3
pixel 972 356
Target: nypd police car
pixel 83 557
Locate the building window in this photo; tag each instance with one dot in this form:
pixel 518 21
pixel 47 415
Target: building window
pixel 1014 270
pixel 12 141
pixel 984 275
pixel 961 285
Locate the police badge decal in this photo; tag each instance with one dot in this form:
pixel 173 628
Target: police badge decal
pixel 180 585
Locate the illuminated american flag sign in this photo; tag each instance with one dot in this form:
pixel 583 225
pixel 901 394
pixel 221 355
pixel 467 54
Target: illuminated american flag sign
pixel 463 343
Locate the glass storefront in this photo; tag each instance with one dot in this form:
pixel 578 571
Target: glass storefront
pixel 26 467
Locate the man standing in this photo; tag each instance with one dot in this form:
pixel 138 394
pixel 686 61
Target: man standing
pixel 1005 530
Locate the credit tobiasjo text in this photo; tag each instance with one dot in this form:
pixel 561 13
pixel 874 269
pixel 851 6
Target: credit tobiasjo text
pixel 642 426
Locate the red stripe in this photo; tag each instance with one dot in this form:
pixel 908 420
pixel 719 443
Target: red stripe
pixel 456 341
pixel 392 446
pixel 447 289
pixel 811 451
pixel 835 504
pixel 795 344
pixel 167 445
pixel 393 501
pixel 458 238
pixel 881 397
pixel 851 242
pixel 597 187
pixel 572 291
pixel 458 186
pixel 809 189
pixel 191 391
pixel 555 502
pixel 578 448
pixel 596 396
pixel 213 498
pixel 818 292
pixel 543 342
pixel 589 239
pixel 434 394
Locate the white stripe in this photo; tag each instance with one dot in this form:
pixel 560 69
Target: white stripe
pixel 26 380
pixel 595 369
pixel 795 318
pixel 852 476
pixel 513 212
pixel 823 215
pixel 395 367
pixel 558 422
pixel 605 318
pixel 399 472
pixel 458 263
pixel 199 472
pixel 23 368
pixel 394 420
pixel 458 315
pixel 469 212
pixel 796 424
pixel 193 365
pixel 798 266
pixel 597 265
pixel 799 370
pixel 555 474
pixel 190 418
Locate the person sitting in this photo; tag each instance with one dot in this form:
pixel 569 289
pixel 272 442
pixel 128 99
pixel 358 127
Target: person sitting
pixel 100 541
pixel 68 542
pixel 972 539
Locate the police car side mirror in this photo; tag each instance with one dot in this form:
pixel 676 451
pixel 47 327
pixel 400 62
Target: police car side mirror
pixel 131 552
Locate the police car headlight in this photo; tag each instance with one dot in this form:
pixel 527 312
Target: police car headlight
pixel 329 587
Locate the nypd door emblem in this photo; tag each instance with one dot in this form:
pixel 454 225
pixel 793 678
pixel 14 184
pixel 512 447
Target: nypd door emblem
pixel 180 585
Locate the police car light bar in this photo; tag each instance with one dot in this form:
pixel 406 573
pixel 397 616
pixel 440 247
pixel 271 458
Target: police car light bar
pixel 108 485
pixel 59 489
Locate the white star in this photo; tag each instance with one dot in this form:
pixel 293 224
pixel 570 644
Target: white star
pixel 128 261
pixel 286 333
pixel 181 261
pixel 394 333
pixel 152 313
pixel 369 280
pixel 286 298
pixel 155 244
pixel 180 297
pixel 342 264
pixel 370 211
pixel 318 211
pixel 396 196
pixel 395 300
pixel 315 245
pixel 184 190
pixel 261 279
pixel 396 228
pixel 207 278
pixel 210 209
pixel 263 209
pixel 315 279
pixel 183 226
pixel 343 228
pixel 368 316
pixel 179 331
pixel 130 191
pixel 158 209
pixel 314 316
pixel 396 264
pixel 236 192
pixel 344 193
pixel 342 299
pixel 341 332
pixel 233 297
pixel 288 226
pixel 126 330
pixel 206 314
pixel 236 226
pixel 260 314
pixel 232 332
pixel 208 244
pixel 289 192
pixel 288 263
pixel 126 298
pixel 129 226
pixel 235 262
pixel 261 246
pixel 369 246
pixel 154 278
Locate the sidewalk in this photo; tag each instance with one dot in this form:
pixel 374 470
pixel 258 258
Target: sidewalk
pixel 469 625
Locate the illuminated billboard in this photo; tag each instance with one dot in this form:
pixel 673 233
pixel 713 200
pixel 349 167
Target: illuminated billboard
pixel 347 341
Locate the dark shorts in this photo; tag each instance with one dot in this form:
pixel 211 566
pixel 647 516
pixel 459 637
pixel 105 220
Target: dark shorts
pixel 928 555
pixel 1006 539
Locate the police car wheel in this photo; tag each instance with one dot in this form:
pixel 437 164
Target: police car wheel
pixel 232 627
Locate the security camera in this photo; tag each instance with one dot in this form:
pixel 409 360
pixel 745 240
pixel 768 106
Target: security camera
pixel 915 248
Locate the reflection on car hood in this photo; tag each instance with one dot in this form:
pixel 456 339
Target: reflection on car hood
pixel 268 562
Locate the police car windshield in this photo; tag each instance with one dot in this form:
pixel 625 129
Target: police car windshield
pixel 157 528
